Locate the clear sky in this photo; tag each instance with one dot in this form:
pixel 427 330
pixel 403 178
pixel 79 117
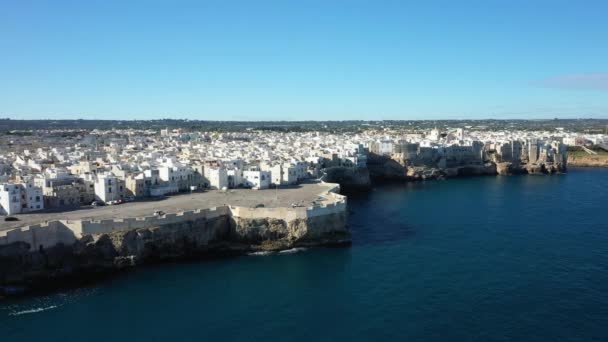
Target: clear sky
pixel 303 59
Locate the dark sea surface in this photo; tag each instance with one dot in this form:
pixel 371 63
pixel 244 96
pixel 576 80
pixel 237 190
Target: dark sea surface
pixel 522 258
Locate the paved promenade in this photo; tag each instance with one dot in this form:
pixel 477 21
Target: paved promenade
pixel 302 195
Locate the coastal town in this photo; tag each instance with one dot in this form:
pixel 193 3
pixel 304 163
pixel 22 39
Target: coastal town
pixel 65 169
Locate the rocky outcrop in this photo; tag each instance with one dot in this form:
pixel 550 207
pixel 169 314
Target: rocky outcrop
pixel 507 168
pixel 276 234
pixel 422 173
pixel 384 168
pixel 106 253
pixel 578 160
pixel 349 178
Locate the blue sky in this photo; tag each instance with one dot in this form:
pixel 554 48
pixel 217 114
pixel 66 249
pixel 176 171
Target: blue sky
pixel 312 60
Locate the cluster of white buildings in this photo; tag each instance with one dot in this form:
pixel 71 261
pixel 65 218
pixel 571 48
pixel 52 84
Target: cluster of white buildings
pixel 458 147
pixel 109 167
pixel 119 165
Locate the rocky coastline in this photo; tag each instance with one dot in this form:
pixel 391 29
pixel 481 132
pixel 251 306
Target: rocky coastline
pixel 25 269
pixel 588 161
pixel 383 168
pixel 226 231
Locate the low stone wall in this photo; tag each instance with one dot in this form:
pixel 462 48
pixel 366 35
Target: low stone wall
pixel 41 235
pixel 107 226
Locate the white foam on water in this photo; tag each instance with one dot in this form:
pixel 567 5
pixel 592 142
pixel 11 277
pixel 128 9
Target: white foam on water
pixel 293 250
pixel 24 312
pixel 260 253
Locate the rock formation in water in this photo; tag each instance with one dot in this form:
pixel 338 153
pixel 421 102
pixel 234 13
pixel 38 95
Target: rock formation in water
pixel 507 168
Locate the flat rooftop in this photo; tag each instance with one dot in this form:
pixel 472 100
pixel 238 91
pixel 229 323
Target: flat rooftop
pixel 301 194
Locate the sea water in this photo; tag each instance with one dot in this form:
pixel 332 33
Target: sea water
pixel 521 258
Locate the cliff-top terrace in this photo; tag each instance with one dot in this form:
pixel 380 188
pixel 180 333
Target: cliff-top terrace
pixel 301 195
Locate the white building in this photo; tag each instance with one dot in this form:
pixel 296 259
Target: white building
pixel 109 188
pixel 235 177
pixel 290 175
pixel 217 176
pixel 10 199
pixel 276 174
pixel 257 179
pixel 20 198
pixel 574 141
pixel 386 147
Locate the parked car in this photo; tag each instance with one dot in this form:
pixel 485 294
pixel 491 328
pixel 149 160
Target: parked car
pixel 159 213
pixel 10 218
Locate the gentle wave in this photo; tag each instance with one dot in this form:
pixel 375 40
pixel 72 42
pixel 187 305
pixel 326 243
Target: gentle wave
pixel 260 253
pixel 293 250
pixel 24 312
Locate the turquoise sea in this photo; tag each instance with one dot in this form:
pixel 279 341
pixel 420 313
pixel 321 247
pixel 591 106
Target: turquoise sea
pixel 521 258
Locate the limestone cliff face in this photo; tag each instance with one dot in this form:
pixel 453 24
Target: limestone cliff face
pixel 507 168
pixel 385 168
pixel 422 172
pixel 588 160
pixel 348 177
pixel 488 169
pixel 273 234
pixel 170 241
pixel 109 252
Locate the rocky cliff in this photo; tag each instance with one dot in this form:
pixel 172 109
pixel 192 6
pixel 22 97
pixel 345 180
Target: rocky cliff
pixel 349 178
pixel 384 168
pixel 95 254
pixel 423 172
pixel 507 168
pixel 600 160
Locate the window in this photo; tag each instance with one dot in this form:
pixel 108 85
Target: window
pixel 110 190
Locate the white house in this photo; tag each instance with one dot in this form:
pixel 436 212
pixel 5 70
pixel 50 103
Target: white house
pixel 257 179
pixel 20 198
pixel 10 199
pixel 290 175
pixel 235 177
pixel 217 176
pixel 109 188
